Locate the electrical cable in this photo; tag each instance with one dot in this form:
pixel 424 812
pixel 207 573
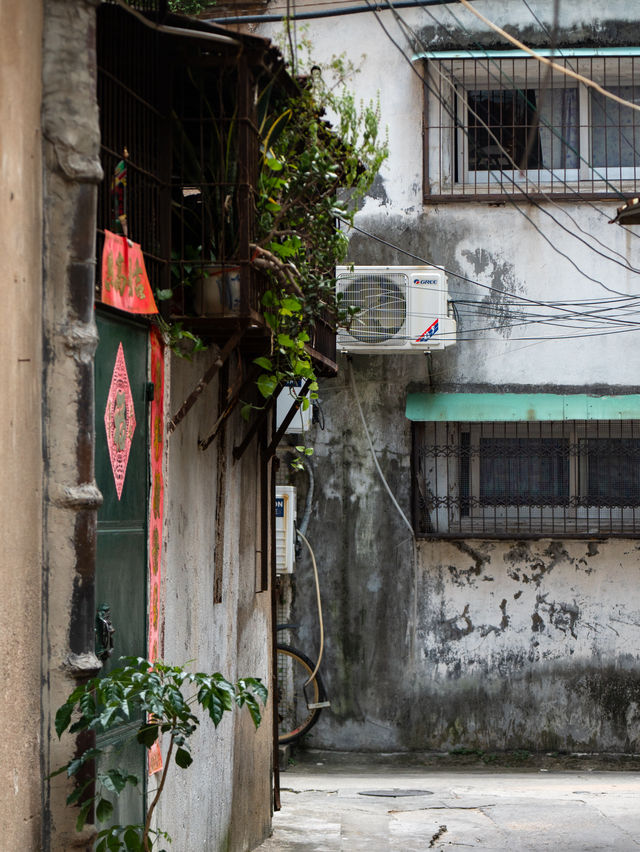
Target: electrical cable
pixel 402 4
pixel 624 263
pixel 576 313
pixel 603 213
pixel 373 453
pixel 537 19
pixel 515 184
pixel 535 124
pixel 179 31
pixel 306 16
pixel 427 262
pixel 555 132
pixel 543 59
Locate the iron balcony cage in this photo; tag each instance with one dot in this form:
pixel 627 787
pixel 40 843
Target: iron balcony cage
pixel 184 114
pixel 185 110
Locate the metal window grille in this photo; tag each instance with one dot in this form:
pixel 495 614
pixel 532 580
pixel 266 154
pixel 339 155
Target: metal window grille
pixel 133 109
pixel 214 171
pixel 527 479
pixel 508 126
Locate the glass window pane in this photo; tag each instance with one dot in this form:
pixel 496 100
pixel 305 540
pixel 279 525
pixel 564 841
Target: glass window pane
pixel 615 129
pixel 538 129
pixel 613 466
pixel 500 121
pixel 524 471
pixel 559 128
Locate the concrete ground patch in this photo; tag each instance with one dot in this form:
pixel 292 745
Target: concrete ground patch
pixel 494 810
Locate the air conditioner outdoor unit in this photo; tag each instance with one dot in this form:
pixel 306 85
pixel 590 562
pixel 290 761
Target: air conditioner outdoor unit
pixel 401 309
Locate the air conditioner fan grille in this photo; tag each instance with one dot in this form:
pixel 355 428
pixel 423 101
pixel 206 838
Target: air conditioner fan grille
pixel 381 302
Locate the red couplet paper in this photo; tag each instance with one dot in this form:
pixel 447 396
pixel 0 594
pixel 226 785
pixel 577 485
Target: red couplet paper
pixel 125 284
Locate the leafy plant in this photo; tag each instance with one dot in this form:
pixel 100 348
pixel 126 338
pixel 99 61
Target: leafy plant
pixel 182 341
pixel 154 693
pixel 190 7
pixel 312 176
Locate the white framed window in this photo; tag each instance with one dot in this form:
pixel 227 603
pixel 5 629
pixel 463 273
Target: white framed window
pixel 495 126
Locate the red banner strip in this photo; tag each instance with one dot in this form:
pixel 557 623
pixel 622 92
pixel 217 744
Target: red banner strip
pixel 156 516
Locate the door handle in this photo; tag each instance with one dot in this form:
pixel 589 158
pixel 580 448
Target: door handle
pixel 104 631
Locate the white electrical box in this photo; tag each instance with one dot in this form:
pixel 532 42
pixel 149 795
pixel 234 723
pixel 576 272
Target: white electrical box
pixel 285 528
pixel 301 422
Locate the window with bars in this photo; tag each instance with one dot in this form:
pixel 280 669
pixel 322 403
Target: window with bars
pixel 518 479
pixel 508 125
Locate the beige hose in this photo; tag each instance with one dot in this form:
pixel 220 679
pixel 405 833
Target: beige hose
pixel 315 574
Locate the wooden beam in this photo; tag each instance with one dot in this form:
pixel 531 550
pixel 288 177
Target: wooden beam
pixel 191 400
pixel 233 401
pixel 239 450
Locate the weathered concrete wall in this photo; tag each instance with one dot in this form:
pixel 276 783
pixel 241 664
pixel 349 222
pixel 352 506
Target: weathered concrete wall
pixel 545 630
pixel 223 801
pixel 72 171
pixel 485 645
pixel 20 425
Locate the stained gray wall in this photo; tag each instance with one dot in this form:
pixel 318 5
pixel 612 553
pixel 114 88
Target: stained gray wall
pixel 223 801
pixel 479 644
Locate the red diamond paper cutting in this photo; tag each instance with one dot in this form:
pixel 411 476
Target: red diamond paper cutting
pixel 119 420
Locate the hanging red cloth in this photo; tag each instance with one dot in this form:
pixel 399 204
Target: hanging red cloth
pixel 125 284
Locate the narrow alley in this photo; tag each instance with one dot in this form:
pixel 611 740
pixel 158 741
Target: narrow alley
pixel 339 802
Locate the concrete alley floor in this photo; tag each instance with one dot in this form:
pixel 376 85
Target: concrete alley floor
pixel 443 808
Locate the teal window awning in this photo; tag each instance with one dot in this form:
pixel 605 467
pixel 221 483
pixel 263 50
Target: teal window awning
pixel 560 53
pixel 503 407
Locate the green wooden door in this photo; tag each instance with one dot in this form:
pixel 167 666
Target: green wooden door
pixel 122 454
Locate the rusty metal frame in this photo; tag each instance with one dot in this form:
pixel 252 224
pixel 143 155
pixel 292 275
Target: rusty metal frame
pixel 605 178
pixel 571 479
pixel 241 387
pixel 239 451
pixel 190 401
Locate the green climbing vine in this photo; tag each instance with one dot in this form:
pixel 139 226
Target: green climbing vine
pixel 190 7
pixel 321 150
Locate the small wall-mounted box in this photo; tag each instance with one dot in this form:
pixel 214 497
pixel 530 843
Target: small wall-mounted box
pixel 301 422
pixel 285 528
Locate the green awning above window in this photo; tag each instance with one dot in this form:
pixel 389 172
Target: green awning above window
pixel 487 407
pixel 521 54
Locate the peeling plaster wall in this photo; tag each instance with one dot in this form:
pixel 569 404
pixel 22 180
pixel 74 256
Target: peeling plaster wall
pixel 538 631
pixel 486 645
pixel 481 644
pixel 223 801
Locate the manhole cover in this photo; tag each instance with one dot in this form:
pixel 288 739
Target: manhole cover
pixel 395 792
